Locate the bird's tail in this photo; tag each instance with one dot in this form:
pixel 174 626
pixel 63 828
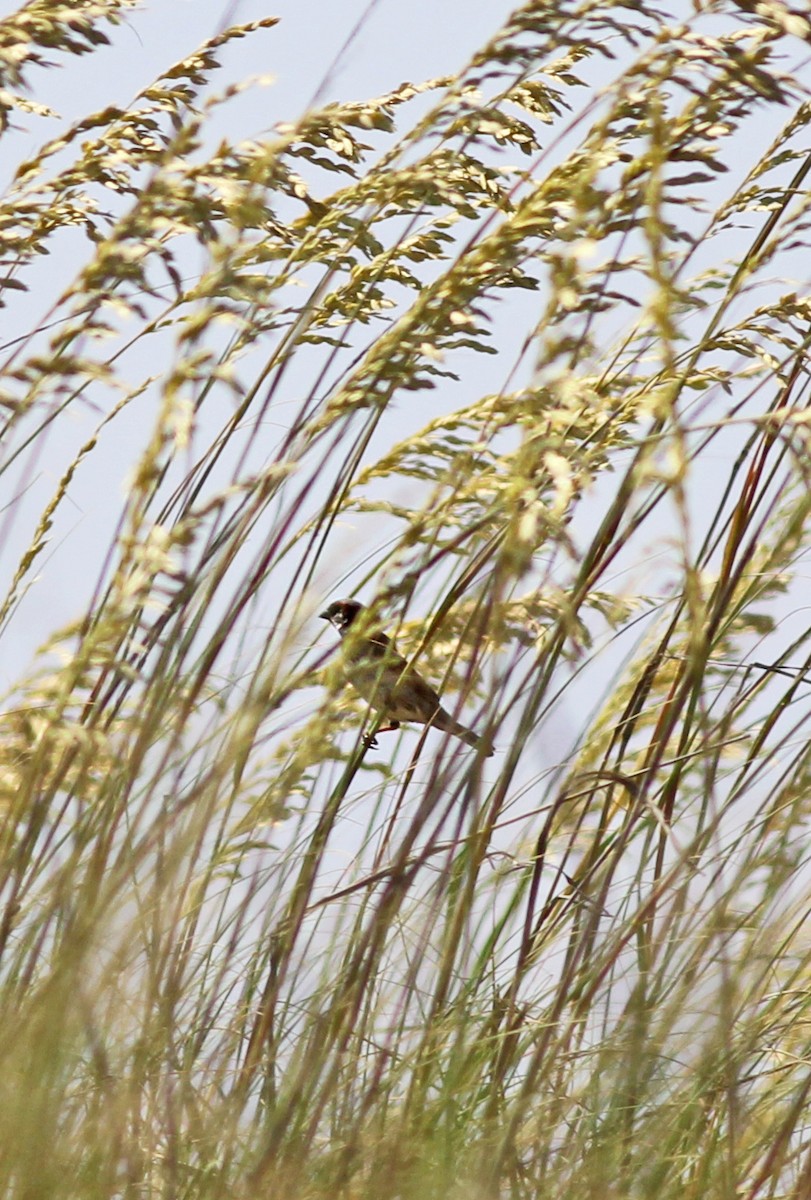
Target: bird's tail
pixel 444 721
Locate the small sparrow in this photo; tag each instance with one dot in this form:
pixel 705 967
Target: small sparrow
pixel 385 680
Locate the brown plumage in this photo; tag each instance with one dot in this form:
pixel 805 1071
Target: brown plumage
pixel 384 679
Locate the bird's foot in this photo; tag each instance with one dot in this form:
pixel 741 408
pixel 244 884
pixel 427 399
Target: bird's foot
pixel 371 738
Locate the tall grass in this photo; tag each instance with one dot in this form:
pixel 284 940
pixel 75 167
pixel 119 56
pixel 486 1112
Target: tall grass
pixel 519 357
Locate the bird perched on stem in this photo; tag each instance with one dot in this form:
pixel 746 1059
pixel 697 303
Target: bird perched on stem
pixel 385 680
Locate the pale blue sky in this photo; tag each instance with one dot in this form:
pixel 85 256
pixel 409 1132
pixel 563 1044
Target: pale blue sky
pixel 326 48
pixel 341 49
pixel 323 50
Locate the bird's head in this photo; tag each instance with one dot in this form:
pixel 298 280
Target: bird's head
pixel 341 614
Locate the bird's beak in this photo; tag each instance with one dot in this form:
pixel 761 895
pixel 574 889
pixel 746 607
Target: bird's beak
pixel 325 616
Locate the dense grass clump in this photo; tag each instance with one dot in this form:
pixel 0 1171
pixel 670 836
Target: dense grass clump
pixel 519 357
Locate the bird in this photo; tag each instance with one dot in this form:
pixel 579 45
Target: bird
pixel 385 680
